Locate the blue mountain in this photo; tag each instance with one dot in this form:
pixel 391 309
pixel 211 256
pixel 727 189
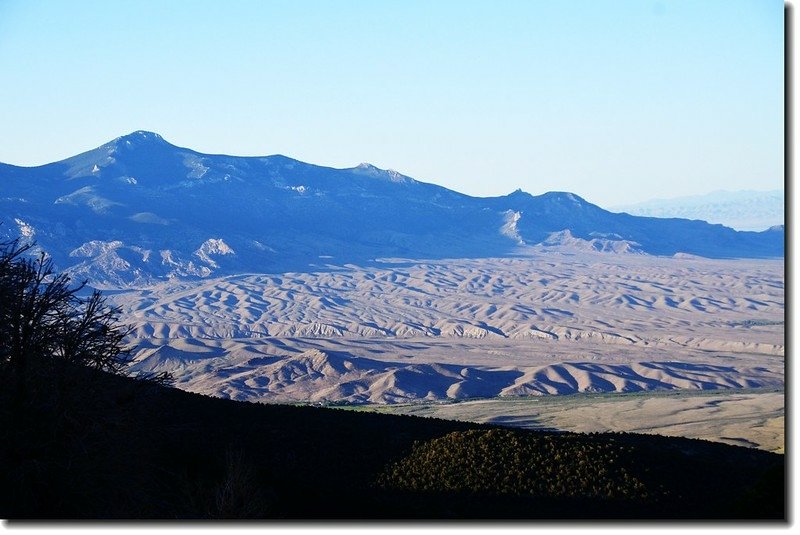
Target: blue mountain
pixel 139 209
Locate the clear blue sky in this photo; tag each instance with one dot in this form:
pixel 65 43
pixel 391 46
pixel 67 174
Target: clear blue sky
pixel 617 101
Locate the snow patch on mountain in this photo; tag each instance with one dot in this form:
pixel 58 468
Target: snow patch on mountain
pixel 509 227
pixel 87 196
pixel 138 139
pixel 90 165
pixel 26 231
pixel 196 168
pixel 387 174
pixel 149 217
pixel 262 247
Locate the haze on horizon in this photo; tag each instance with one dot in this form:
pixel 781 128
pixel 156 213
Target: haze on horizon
pixel 617 101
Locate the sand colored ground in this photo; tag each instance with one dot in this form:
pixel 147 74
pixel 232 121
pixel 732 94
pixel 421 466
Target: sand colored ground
pixel 743 418
pixel 609 299
pixel 537 325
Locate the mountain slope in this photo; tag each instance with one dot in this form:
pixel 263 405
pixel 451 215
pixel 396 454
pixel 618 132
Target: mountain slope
pixel 138 209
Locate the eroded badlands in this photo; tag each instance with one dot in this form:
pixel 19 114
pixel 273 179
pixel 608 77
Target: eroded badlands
pixel 403 331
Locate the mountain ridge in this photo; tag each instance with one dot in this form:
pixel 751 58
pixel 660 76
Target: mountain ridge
pixel 752 210
pixel 150 210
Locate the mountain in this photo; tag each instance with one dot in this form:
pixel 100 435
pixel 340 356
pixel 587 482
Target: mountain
pixel 741 210
pixel 139 209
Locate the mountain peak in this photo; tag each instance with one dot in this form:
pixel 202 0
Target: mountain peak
pixel 139 138
pixel 142 135
pixel 563 196
pixel 518 193
pixel 390 174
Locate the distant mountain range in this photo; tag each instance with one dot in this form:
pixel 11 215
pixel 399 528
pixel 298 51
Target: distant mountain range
pixel 139 209
pixel 741 210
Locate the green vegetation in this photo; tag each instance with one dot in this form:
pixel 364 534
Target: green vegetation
pixel 505 462
pixel 597 475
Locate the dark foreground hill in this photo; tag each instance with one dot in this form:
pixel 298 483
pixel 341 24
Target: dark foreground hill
pixel 75 443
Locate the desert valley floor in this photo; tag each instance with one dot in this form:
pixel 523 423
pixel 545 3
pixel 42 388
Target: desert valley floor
pixel 574 341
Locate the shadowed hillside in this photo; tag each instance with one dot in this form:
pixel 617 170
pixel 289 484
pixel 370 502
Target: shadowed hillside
pixel 87 444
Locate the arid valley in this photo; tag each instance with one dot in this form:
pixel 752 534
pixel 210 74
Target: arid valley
pixel 574 341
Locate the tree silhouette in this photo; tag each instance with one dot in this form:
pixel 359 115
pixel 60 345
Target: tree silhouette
pixel 42 315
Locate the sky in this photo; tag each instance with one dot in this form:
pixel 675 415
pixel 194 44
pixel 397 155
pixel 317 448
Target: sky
pixel 618 101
